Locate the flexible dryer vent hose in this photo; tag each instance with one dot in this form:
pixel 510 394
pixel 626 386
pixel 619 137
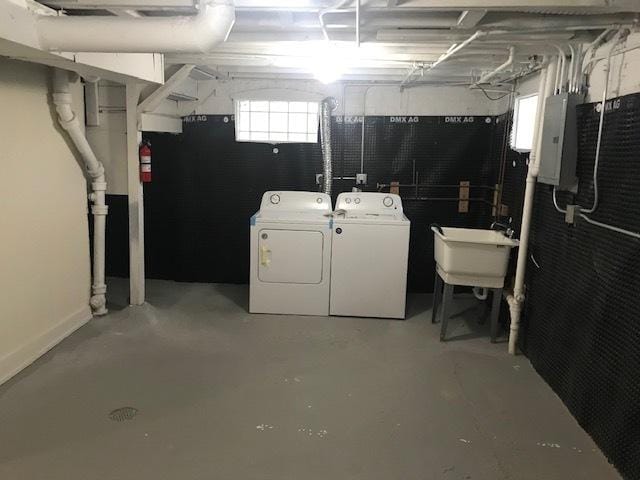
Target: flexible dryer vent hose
pixel 327 106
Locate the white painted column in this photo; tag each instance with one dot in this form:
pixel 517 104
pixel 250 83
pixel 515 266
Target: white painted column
pixel 136 202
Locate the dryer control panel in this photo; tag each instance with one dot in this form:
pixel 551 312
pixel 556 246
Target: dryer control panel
pixel 287 201
pixel 370 202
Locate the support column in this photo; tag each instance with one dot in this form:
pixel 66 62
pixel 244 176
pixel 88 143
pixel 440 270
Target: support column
pixel 136 203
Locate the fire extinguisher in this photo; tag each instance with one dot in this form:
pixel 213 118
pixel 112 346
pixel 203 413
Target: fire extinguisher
pixel 145 161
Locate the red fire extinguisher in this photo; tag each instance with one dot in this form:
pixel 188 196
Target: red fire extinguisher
pixel 145 161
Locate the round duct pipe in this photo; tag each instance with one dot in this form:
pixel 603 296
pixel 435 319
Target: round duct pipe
pixel 181 34
pixel 328 105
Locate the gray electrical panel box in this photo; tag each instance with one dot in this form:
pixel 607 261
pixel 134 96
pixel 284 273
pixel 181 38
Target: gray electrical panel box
pixel 559 147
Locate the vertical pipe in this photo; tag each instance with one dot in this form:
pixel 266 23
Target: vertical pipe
pixel 328 104
pixel 357 23
pixel 556 88
pixel 517 298
pixel 572 66
pixel 69 122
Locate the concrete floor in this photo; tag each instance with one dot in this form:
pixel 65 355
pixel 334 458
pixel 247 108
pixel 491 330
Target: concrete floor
pixel 223 394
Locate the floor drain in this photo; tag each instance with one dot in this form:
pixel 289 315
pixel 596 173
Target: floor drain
pixel 123 414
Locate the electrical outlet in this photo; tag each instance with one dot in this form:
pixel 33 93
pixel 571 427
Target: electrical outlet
pixel 319 178
pixel 361 178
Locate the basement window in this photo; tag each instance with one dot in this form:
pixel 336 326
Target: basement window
pixel 524 119
pixel 276 121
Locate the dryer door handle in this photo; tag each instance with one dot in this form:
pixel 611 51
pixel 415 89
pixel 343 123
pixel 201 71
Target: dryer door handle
pixel 265 256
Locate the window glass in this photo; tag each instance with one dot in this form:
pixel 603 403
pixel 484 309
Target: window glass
pixel 277 121
pixel 524 118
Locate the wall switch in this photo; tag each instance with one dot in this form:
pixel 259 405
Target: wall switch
pixel 361 178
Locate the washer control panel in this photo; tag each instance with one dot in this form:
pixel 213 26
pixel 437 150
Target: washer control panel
pixel 369 202
pixel 286 201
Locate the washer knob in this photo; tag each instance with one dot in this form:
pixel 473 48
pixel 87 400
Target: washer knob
pixel 347 200
pixel 319 200
pixel 387 201
pixel 357 200
pixel 274 199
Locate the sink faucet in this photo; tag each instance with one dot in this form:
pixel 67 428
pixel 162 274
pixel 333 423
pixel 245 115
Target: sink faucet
pixel 505 228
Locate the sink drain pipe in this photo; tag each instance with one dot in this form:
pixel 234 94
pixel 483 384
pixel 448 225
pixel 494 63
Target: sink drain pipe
pixel 516 298
pixel 95 170
pixel 326 107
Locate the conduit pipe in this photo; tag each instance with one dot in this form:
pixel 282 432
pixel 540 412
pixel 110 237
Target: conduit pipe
pixel 605 91
pixel 516 298
pixel 322 13
pixel 69 122
pixel 455 48
pixel 327 106
pixel 181 34
pixel 488 76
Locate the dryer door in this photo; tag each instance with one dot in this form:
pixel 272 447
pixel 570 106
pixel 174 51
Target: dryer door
pixel 290 256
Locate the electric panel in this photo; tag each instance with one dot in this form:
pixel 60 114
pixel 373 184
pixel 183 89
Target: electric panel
pixel 559 147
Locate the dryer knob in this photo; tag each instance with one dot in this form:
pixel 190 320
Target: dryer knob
pixel 387 201
pixel 274 199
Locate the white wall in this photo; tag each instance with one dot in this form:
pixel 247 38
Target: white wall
pixel 44 240
pixel 380 100
pixel 624 77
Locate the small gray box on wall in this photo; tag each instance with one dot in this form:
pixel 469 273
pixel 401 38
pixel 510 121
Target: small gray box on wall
pixel 559 146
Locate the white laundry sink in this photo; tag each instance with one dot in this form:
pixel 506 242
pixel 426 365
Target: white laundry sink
pixel 473 257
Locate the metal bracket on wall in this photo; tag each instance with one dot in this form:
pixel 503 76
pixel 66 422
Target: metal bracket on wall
pixel 463 197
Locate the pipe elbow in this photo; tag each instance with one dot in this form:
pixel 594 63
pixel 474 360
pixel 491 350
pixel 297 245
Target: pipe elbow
pixel 98 304
pixel 213 24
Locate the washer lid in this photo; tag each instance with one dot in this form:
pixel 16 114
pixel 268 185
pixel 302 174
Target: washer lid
pixel 370 218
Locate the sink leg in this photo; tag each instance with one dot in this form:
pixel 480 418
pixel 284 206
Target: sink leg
pixel 495 312
pixel 437 297
pixel 446 306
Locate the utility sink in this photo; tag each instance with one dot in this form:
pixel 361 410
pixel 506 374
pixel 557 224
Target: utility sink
pixel 472 257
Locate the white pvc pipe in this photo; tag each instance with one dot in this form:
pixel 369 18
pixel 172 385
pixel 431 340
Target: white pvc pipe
pixel 605 91
pixel 515 300
pixel 572 66
pixel 68 120
pixel 488 76
pixel 196 34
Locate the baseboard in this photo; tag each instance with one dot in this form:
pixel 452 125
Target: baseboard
pixel 26 354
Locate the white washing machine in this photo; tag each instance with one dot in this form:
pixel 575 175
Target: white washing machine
pixel 369 256
pixel 291 254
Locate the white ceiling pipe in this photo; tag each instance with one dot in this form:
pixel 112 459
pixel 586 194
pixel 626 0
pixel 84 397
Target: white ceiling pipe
pixel 69 122
pixel 324 12
pixel 488 76
pixel 199 33
pixel 444 57
pixel 523 21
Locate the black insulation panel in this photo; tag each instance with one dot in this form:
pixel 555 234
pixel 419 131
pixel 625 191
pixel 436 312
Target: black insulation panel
pixel 581 325
pixel 206 186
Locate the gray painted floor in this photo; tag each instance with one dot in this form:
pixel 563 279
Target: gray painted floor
pixel 227 395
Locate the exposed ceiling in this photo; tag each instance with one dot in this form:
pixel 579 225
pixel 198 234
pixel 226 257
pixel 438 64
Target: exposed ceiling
pixel 396 40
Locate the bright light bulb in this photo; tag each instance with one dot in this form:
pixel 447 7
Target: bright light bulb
pixel 327 64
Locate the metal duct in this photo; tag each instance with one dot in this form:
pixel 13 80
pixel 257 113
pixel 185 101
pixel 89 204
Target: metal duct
pixel 327 106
